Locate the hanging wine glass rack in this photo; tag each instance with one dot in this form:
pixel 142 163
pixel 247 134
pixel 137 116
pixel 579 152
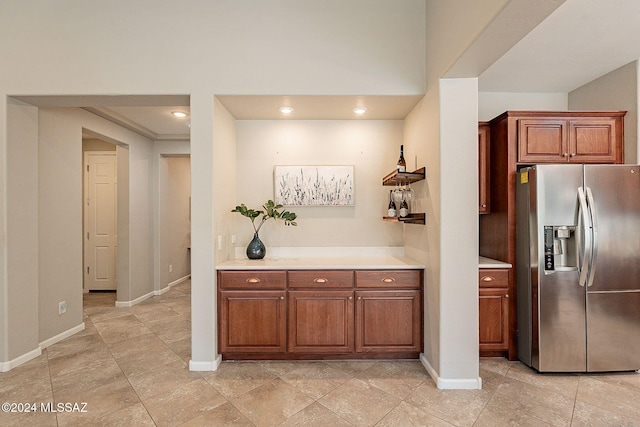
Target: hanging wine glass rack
pixel 404 178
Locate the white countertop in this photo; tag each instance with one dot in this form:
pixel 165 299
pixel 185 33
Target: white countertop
pixel 484 262
pixel 324 263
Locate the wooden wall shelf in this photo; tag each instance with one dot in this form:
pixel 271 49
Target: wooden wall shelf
pixel 401 178
pixel 414 218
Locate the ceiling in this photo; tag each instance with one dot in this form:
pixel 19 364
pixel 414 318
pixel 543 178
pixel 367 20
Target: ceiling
pixel 581 41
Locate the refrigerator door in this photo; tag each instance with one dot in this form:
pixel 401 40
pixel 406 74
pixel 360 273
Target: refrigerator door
pixel 613 286
pixel 558 301
pixel 615 205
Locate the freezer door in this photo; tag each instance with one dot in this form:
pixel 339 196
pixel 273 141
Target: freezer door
pixel 559 335
pixel 614 196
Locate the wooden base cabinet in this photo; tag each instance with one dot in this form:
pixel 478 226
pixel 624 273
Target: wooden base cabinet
pixel 252 321
pixel 317 314
pixel 493 310
pixel 252 311
pixel 321 321
pixel 388 321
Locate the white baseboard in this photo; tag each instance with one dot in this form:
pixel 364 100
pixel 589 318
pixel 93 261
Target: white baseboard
pixel 174 283
pixel 66 334
pixel 205 366
pixel 450 384
pixel 7 366
pixel 120 304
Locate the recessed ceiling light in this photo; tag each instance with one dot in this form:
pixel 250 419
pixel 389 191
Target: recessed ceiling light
pixel 179 114
pixel 286 110
pixel 360 110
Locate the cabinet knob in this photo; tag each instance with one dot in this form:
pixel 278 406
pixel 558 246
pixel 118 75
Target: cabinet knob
pixel 506 296
pixel 282 297
pixel 253 280
pixel 565 155
pixel 320 280
pixel 350 298
pixel 484 206
pixel 359 297
pixel 487 279
pixel 388 280
pixel 573 154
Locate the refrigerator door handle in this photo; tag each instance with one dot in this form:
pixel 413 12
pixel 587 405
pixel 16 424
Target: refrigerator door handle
pixel 583 218
pixel 594 231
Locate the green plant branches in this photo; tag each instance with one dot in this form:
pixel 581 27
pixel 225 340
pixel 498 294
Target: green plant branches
pixel 270 210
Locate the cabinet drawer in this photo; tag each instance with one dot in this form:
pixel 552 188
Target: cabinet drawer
pixel 255 279
pixel 405 279
pixel 321 279
pixel 498 278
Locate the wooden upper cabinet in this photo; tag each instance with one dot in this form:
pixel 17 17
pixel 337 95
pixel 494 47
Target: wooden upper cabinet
pixel 571 137
pixel 542 140
pixel 483 168
pixel 594 141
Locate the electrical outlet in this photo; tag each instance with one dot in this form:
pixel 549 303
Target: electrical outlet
pixel 62 307
pixel 233 238
pixel 219 241
pixel 170 268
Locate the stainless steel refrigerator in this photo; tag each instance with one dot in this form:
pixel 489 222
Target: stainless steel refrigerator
pixel 578 267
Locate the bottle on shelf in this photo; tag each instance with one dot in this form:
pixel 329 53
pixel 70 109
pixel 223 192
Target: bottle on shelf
pixel 402 164
pixel 391 211
pixel 404 209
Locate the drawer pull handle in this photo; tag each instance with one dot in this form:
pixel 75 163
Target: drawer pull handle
pixel 487 279
pixel 253 280
pixel 320 280
pixel 388 280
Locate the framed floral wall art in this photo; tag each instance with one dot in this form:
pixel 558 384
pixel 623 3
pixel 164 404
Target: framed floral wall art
pixel 314 185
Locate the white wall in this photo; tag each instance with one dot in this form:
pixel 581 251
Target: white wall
pixel 617 90
pixel 459 365
pixel 492 104
pixel 60 215
pixel 174 218
pixel 18 305
pixel 371 47
pixel 161 151
pixel 371 146
pixel 422 137
pixel 219 46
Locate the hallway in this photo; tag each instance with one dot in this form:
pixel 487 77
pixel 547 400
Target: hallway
pixel 130 365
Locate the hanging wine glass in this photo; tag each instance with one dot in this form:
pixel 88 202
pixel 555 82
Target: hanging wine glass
pixel 409 194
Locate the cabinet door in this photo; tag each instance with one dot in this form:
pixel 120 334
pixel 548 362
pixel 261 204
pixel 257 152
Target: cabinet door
pixel 483 169
pixel 388 321
pixel 320 321
pixel 593 141
pixel 542 141
pixel 252 322
pixel 494 318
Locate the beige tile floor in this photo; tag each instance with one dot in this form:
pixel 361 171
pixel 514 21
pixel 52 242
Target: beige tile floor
pixel 130 365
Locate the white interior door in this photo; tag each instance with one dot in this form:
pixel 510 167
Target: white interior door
pixel 100 221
